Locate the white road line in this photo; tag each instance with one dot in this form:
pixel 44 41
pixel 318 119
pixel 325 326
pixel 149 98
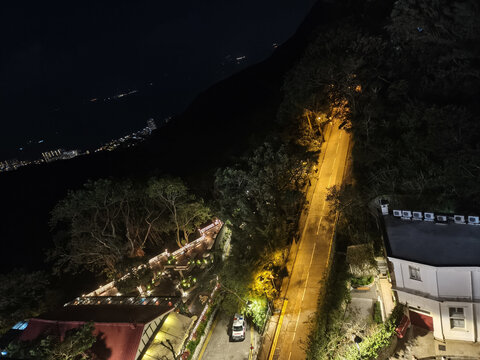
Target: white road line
pixel 304 290
pixel 318 228
pixel 298 318
pixel 340 135
pixel 336 150
pixel 290 355
pixel 324 202
pixel 311 259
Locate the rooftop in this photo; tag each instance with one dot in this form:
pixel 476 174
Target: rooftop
pixel 432 243
pixel 138 314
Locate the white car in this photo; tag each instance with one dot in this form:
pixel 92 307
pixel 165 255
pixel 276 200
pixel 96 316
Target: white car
pixel 238 328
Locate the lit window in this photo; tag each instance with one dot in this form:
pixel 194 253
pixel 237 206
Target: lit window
pixel 414 273
pixel 457 318
pixel 20 325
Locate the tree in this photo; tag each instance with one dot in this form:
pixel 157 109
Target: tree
pixel 22 296
pixel 361 260
pixel 76 345
pixel 103 223
pixel 262 195
pixel 186 212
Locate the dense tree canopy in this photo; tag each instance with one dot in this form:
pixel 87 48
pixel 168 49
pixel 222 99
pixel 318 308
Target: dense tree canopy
pixel 76 345
pixel 108 222
pixel 410 89
pixel 186 212
pixel 22 295
pixel 262 195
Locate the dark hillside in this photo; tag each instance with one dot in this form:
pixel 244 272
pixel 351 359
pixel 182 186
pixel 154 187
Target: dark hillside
pixel 222 122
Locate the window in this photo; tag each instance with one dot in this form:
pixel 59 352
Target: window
pixel 414 273
pixel 457 318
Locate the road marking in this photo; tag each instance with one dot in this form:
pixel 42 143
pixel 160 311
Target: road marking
pixel 336 150
pixel 289 355
pixel 318 227
pixel 340 135
pixel 303 296
pixel 311 259
pixel 324 202
pixel 298 318
pixel 277 330
pixel 204 347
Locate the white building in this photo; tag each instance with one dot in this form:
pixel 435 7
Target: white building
pixel 436 274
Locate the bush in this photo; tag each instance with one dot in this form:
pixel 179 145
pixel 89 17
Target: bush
pixel 372 345
pixel 361 281
pixel 377 313
pixel 192 345
pixel 201 329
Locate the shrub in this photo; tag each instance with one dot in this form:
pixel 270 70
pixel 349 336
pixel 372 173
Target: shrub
pixel 192 345
pixel 361 281
pixel 377 313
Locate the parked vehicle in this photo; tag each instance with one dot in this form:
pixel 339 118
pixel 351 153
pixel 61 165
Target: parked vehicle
pixel 238 328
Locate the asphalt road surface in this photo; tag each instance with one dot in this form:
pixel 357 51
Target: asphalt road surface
pixel 219 346
pixel 312 257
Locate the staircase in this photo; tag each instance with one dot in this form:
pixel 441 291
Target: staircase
pixel 382 267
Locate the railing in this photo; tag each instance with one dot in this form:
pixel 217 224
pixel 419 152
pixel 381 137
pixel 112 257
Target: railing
pixel 102 289
pixel 125 300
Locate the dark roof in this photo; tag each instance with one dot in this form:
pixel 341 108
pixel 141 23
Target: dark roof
pixel 115 341
pixel 135 314
pixel 118 328
pixel 431 243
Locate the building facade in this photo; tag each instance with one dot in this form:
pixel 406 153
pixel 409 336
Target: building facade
pixel 436 274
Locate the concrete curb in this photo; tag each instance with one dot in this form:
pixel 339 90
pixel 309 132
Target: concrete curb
pixel 205 334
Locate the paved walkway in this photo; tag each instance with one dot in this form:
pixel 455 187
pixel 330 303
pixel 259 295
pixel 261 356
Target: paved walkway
pixel 421 343
pixel 385 291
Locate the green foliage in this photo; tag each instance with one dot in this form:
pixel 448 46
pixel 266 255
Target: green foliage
pixel 76 345
pixel 361 281
pixel 22 295
pixel 361 260
pixel 328 330
pixel 192 345
pixel 104 223
pixel 377 313
pixel 381 337
pixel 186 212
pixel 257 311
pixel 138 277
pixel 262 197
pixel 410 95
pixel 107 222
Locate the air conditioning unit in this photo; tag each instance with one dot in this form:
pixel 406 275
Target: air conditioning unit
pixel 474 220
pixel 397 213
pixel 384 208
pixel 459 219
pixel 442 218
pixel 406 214
pixel 428 217
pixel 417 215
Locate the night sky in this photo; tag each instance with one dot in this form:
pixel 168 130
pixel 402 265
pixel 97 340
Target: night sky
pixel 55 58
